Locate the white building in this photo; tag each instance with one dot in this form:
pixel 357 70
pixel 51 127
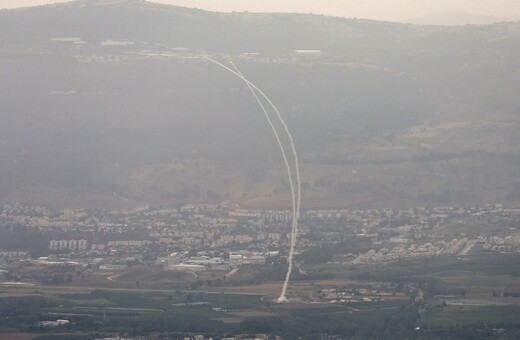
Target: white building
pixel 56 323
pixel 82 245
pixel 53 244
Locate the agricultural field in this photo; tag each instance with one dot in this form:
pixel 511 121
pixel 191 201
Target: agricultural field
pixel 139 312
pixel 475 297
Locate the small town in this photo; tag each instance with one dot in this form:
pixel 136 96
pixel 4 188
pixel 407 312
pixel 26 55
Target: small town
pixel 207 237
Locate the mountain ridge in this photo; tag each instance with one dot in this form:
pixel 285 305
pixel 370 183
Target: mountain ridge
pixel 459 19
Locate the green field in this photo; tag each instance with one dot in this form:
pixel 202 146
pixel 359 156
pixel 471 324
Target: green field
pixel 139 312
pixel 445 297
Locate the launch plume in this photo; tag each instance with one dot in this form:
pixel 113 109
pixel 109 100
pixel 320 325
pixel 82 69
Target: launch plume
pixel 296 194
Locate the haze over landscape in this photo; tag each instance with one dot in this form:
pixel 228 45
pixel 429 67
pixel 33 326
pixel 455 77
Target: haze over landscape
pixel 383 115
pixel 259 169
pixel 457 12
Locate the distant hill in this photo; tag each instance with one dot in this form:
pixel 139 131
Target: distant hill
pixel 110 103
pixel 459 19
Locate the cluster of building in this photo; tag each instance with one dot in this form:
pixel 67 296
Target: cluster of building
pixel 348 296
pixel 508 244
pixel 14 254
pixel 268 215
pixel 411 250
pixel 203 261
pixel 68 244
pixel 355 294
pixel 248 236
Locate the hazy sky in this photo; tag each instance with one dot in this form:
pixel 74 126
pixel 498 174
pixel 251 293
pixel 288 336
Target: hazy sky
pixel 393 10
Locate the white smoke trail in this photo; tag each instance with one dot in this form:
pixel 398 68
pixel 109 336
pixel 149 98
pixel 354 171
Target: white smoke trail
pixel 296 205
pixel 280 144
pixel 296 208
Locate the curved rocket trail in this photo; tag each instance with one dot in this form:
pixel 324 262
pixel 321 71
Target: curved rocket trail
pixel 296 197
pixel 280 144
